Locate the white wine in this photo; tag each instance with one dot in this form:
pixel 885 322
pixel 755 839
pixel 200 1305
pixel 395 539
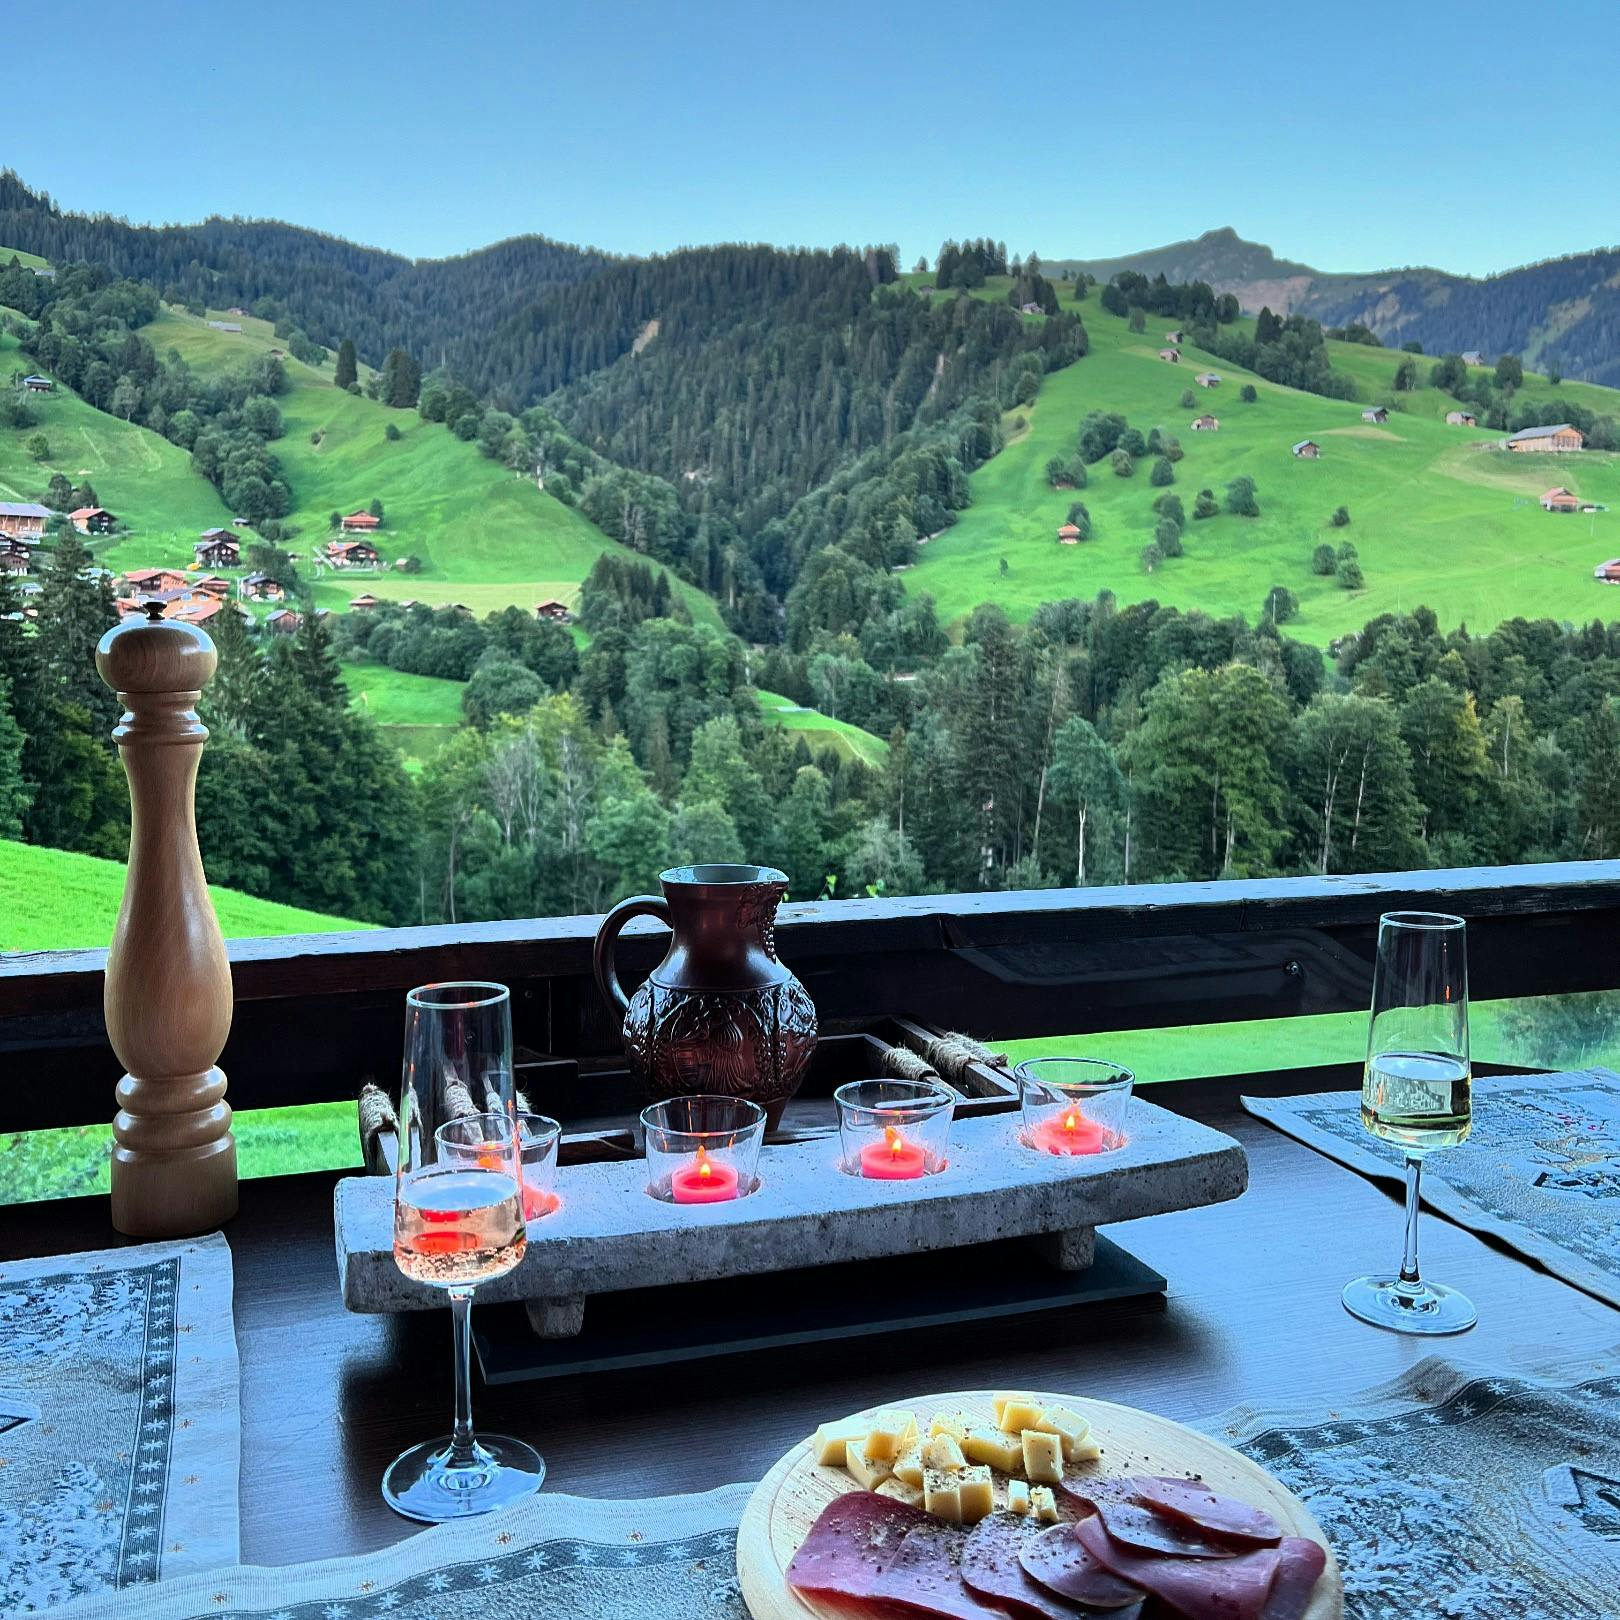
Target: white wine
pixel 1417 1100
pixel 457 1227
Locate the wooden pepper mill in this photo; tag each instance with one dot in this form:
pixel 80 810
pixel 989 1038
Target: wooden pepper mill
pixel 168 991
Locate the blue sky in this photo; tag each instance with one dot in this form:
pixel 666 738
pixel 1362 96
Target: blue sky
pixel 1350 136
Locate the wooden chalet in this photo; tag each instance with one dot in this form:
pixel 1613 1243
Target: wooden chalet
pixel 351 554
pixel 359 523
pixel 1307 450
pixel 218 548
pixel 1560 499
pixel 196 609
pixel 1174 337
pixel 364 602
pixel 215 585
pixel 148 581
pixel 1069 535
pixel 236 309
pixel 14 562
pixel 1609 572
pixel 226 326
pixel 1472 357
pixel 92 520
pixel 1461 419
pixel 460 609
pixel 262 588
pixel 39 385
pixel 1206 424
pixel 1561 437
pixel 555 612
pixel 1029 307
pixel 283 622
pixel 1375 413
pixel 1208 379
pixel 25 520
pixel 1172 355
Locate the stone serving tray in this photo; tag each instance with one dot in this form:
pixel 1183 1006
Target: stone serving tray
pixel 610 1234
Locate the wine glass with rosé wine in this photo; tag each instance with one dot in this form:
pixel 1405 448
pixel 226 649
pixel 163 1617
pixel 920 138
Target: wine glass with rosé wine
pixel 458 1221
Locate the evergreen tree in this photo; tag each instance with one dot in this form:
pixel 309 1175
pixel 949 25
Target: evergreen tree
pixel 401 380
pixel 347 371
pixel 16 792
pixel 75 612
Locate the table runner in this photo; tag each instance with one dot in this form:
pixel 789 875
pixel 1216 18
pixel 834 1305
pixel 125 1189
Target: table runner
pixel 119 1420
pixel 555 1557
pixel 1460 1492
pixel 1541 1170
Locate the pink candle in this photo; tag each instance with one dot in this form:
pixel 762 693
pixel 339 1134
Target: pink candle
pixel 1069 1132
pixel 893 1159
pixel 703 1181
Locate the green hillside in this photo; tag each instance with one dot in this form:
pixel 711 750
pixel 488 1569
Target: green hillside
pixel 52 899
pixel 822 731
pixel 1436 520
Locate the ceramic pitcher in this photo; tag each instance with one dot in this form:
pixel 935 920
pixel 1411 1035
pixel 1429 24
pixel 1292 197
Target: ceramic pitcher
pixel 720 1013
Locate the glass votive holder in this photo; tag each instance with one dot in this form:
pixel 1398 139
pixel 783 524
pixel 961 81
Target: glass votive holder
pixel 893 1130
pixel 1073 1105
pixel 483 1140
pixel 703 1149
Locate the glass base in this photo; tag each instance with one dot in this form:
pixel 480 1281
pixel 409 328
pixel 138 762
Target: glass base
pixel 1425 1308
pixel 422 1484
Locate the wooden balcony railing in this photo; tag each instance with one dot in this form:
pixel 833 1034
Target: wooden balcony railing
pixel 316 1013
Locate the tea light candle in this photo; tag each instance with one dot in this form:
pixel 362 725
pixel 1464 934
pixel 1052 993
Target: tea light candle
pixel 1069 1132
pixel 893 1159
pixel 704 1181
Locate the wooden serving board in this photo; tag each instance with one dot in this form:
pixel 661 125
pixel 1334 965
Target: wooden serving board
pixel 792 1495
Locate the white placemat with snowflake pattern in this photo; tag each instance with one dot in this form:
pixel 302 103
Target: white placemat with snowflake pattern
pixel 120 1430
pixel 553 1557
pixel 1458 1492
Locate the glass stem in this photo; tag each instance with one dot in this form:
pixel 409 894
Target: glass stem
pixel 1410 1281
pixel 463 1448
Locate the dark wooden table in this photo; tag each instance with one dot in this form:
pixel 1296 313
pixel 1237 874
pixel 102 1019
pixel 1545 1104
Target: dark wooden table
pixel 1253 1315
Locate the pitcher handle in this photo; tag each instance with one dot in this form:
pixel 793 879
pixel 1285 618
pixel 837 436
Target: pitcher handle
pixel 607 938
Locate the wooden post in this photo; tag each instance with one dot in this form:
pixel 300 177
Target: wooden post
pixel 168 990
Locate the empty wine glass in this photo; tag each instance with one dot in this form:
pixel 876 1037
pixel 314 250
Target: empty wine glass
pixel 1416 1093
pixel 458 1221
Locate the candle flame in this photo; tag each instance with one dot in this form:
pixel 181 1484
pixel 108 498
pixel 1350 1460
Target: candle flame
pixel 892 1136
pixel 1071 1120
pixel 704 1169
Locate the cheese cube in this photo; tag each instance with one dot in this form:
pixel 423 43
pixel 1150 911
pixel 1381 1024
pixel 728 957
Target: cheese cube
pixel 943 1452
pixel 941 1494
pixel 1067 1425
pixel 908 1466
pixel 869 1471
pixel 1019 1414
pixel 975 1493
pixel 1003 1451
pixel 889 1433
pixel 955 1424
pixel 1018 1496
pixel 1043 1457
pixel 999 1402
pixel 830 1439
pixel 1043 1504
pixel 911 1495
pixel 1086 1450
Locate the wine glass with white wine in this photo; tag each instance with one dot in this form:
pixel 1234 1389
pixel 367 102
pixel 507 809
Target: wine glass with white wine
pixel 1416 1093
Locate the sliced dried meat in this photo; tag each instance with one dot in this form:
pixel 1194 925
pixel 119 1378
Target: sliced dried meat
pixel 1144 1530
pixel 1192 1503
pixel 991 1567
pixel 1302 1564
pixel 925 1576
pixel 1059 1561
pixel 1234 1588
pixel 856 1537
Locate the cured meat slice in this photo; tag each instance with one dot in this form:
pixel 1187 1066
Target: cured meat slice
pixel 1059 1561
pixel 1302 1564
pixel 850 1544
pixel 991 1567
pixel 1234 1588
pixel 925 1576
pixel 1190 1502
pixel 1146 1531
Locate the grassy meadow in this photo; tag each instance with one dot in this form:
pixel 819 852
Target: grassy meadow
pixel 821 731
pixel 1436 520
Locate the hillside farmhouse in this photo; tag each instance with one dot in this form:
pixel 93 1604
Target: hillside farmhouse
pixel 1172 355
pixel 226 326
pixel 1472 357
pixel 39 385
pixel 148 581
pixel 218 548
pixel 1308 450
pixel 359 523
pixel 13 562
pixel 364 602
pixel 1206 424
pixel 1174 337
pixel 262 588
pixel 555 612
pixel 1560 500
pixel 351 554
pixel 197 610
pixel 214 585
pixel 1461 419
pixel 283 622
pixel 1547 440
pixel 1069 535
pixel 1029 308
pixel 1208 379
pixel 1376 414
pixel 24 519
pixel 460 609
pixel 92 520
pixel 1609 572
